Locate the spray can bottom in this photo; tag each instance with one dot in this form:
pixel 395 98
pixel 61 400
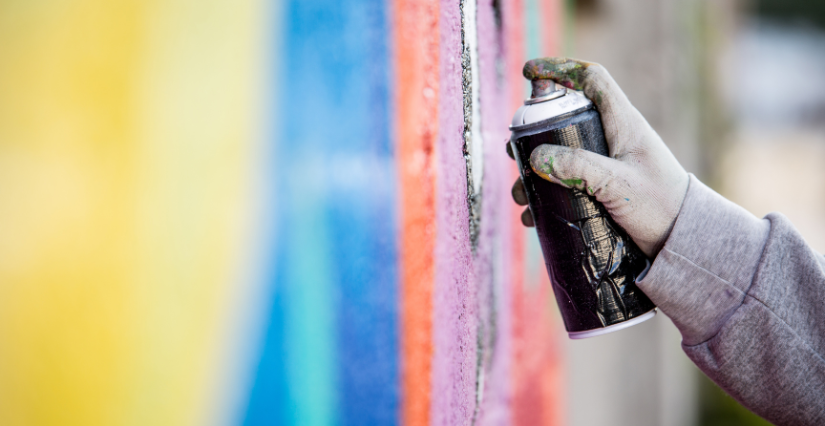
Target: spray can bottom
pixel 577 335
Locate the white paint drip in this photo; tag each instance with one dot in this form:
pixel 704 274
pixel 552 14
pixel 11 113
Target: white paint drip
pixel 476 146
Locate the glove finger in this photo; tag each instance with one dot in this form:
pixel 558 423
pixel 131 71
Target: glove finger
pixel 618 116
pixel 577 168
pixel 519 193
pixel 527 218
pixel 510 150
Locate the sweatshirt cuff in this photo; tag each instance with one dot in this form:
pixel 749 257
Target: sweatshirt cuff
pixel 706 267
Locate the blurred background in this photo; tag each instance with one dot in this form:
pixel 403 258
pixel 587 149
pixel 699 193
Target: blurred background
pixel 733 88
pixel 298 212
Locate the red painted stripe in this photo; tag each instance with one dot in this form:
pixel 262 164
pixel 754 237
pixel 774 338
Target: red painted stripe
pixel 550 336
pixel 537 376
pixel 515 42
pixel 552 12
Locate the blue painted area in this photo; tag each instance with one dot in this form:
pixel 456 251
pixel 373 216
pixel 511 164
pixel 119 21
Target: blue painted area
pixel 331 354
pixel 533 46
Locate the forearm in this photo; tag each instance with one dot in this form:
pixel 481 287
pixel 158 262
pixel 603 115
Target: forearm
pixel 748 296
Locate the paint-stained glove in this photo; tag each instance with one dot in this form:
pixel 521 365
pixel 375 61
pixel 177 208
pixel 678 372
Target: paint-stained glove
pixel 641 184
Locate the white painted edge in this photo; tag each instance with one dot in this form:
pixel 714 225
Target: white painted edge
pixel 476 143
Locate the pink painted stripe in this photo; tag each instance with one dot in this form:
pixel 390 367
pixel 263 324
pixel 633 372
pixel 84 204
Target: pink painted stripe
pixel 454 303
pixel 494 252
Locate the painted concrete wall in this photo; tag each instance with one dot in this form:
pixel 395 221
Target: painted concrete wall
pixel 289 212
pixel 399 290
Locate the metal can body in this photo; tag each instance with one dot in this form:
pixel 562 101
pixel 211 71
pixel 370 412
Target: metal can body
pixel 592 262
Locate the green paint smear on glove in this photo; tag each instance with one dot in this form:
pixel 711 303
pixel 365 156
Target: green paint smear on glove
pixel 567 72
pixel 546 166
pixel 572 181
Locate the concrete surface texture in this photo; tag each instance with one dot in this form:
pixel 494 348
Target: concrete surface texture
pixel 290 212
pixel 398 277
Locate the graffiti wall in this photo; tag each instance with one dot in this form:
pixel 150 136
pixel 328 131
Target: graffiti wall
pixel 289 212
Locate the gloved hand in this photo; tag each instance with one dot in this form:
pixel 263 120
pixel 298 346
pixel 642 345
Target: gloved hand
pixel 641 184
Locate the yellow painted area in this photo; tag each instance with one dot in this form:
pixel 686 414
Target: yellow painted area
pixel 128 136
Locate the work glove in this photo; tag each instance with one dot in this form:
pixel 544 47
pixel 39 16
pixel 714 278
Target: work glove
pixel 641 184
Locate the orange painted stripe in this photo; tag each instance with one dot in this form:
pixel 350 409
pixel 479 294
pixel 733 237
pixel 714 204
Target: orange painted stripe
pixel 416 50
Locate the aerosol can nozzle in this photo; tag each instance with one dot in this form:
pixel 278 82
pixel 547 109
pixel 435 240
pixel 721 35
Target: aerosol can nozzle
pixel 544 87
pixel 545 90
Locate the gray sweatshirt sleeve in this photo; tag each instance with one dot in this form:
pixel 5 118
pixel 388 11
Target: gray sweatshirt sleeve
pixel 748 296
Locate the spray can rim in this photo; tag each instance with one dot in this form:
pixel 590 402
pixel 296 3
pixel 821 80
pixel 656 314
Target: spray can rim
pixel 548 97
pixel 549 108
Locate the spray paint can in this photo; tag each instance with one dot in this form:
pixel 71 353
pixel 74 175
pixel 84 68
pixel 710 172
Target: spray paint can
pixel 592 262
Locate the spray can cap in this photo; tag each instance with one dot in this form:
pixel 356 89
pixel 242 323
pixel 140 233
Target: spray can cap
pixel 537 109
